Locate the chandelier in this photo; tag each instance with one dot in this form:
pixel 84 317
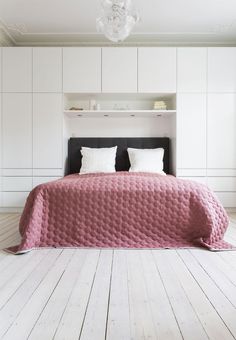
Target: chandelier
pixel 117 19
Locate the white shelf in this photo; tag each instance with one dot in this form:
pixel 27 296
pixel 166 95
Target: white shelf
pixel 118 113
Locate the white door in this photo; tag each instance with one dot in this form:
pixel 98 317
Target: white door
pixel 119 69
pixel 157 69
pixel 82 69
pixel 17 69
pixel 47 130
pixel 191 131
pixel 221 136
pixel 17 130
pixel 47 69
pixel 191 69
pixel 222 69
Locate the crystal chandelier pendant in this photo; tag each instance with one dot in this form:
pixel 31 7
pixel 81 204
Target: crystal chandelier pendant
pixel 117 20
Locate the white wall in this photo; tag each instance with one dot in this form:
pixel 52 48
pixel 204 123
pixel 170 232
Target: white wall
pixel 118 127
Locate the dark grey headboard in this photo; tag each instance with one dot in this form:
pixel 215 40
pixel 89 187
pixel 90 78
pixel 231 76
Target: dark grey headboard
pixel 122 159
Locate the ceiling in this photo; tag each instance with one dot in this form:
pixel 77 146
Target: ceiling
pixel 163 22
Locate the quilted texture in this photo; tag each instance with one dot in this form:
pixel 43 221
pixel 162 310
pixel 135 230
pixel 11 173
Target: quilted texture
pixel 127 210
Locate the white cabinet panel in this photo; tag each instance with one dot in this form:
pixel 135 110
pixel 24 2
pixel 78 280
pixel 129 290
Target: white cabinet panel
pixel 119 69
pixel 228 199
pixel 157 69
pixel 47 130
pixel 201 180
pixel 48 172
pixel 191 131
pixel 191 172
pixel 14 199
pixel 82 69
pixel 221 136
pixel 17 172
pixel 17 69
pixel 222 183
pixel 0 145
pixel 17 130
pixel 221 172
pixel 42 180
pixel 222 69
pixel 0 69
pixel 47 69
pixel 17 183
pixel 192 69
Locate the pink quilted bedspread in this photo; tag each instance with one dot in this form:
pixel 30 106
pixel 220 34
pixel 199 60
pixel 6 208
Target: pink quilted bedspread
pixel 122 210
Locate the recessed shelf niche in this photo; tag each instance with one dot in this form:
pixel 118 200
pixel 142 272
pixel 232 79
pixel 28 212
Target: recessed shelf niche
pixel 117 105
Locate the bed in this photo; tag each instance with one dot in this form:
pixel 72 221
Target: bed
pixel 122 209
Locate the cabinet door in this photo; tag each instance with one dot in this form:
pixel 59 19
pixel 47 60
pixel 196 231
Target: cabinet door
pixel 222 69
pixel 157 69
pixel 82 69
pixel 17 184
pixel 192 69
pixel 119 69
pixel 47 69
pixel 17 69
pixel 0 149
pixel 42 180
pixel 47 130
pixel 17 130
pixel 14 199
pixel 0 69
pixel 191 131
pixel 221 136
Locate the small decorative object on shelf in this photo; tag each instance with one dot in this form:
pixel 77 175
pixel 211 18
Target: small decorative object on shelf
pixel 97 107
pixel 159 105
pixel 76 109
pixel 92 104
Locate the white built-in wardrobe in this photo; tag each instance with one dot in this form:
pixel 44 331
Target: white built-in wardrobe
pixel 37 82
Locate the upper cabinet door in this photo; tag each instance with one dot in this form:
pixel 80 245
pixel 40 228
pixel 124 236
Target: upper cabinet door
pixel 82 69
pixel 47 69
pixel 157 69
pixel 192 69
pixel 47 130
pixel 17 130
pixel 119 69
pixel 221 131
pixel 17 69
pixel 222 69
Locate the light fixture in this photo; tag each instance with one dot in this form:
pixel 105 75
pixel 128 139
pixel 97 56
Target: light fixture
pixel 117 19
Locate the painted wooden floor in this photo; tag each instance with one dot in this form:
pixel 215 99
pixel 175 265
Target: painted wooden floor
pixel 116 295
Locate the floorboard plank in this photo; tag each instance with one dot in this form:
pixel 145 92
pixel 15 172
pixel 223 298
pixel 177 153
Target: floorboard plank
pixel 10 311
pixel 209 318
pixel 118 324
pixel 162 313
pixel 48 321
pixel 223 306
pixel 94 325
pixel 189 323
pixel 72 319
pixel 11 285
pixel 141 319
pixel 221 279
pixel 25 321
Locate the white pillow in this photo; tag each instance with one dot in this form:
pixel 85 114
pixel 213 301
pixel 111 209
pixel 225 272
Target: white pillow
pixel 98 160
pixel 146 160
